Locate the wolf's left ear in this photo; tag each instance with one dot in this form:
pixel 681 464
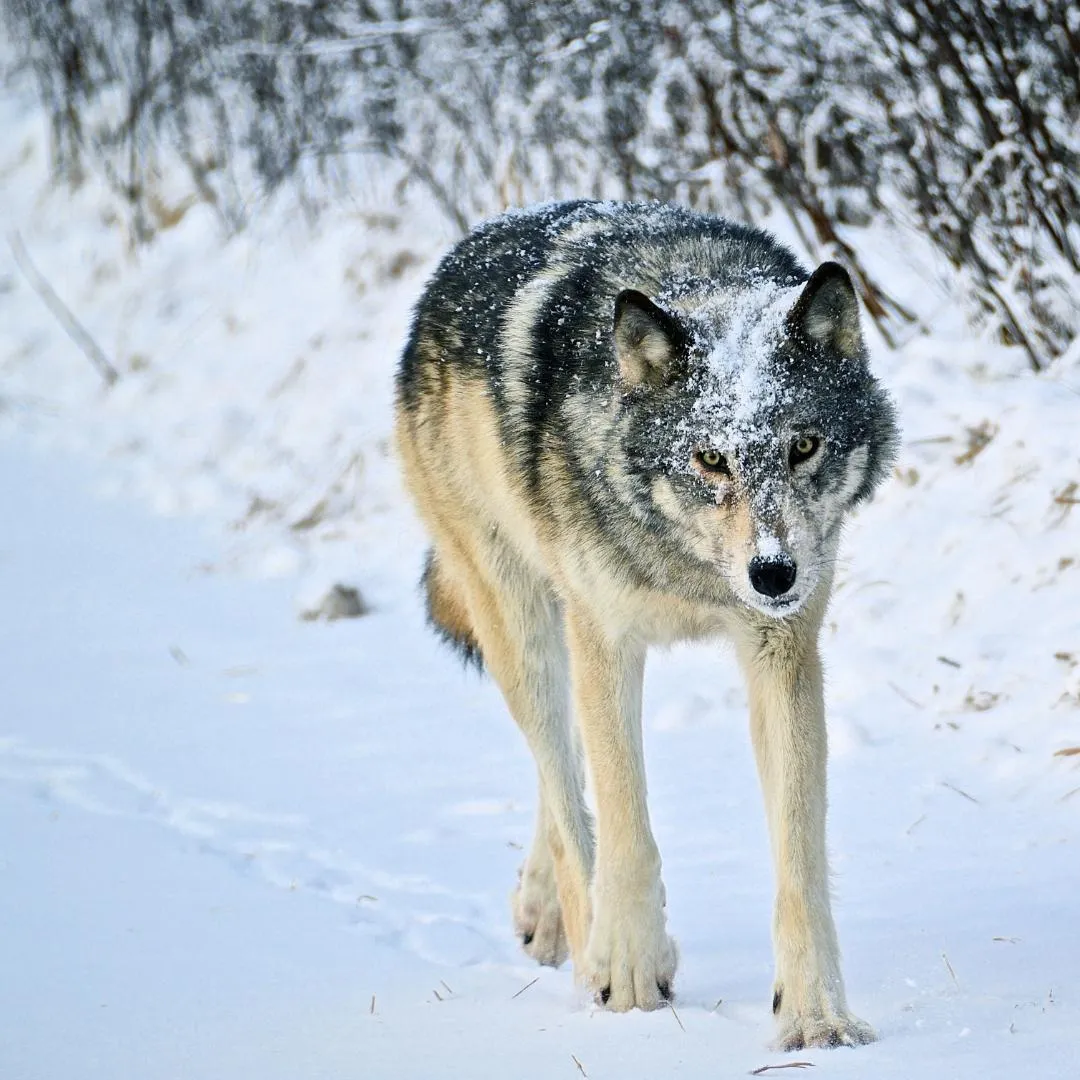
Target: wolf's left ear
pixel 646 340
pixel 827 311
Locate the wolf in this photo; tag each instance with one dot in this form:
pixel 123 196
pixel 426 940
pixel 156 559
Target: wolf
pixel 627 424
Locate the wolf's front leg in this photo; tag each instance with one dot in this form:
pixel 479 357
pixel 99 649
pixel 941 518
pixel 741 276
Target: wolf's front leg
pixel 787 718
pixel 629 960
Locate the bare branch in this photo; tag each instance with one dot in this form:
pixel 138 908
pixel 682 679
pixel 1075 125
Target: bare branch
pixel 63 314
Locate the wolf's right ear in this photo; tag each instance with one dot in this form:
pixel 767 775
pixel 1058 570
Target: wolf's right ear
pixel 827 311
pixel 647 340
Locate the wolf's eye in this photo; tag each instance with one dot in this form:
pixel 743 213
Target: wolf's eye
pixel 803 449
pixel 713 461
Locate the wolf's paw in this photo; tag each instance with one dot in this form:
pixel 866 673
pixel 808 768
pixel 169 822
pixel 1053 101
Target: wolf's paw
pixel 820 1027
pixel 538 918
pixel 630 960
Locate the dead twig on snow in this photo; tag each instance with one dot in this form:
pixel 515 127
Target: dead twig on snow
pixel 524 988
pixel 903 694
pixel 676 1015
pixel 952 974
pixel 62 313
pixel 960 791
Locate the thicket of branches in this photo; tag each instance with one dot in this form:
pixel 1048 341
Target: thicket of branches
pixel 960 118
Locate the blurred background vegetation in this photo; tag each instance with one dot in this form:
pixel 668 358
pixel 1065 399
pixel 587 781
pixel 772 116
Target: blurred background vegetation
pixel 960 120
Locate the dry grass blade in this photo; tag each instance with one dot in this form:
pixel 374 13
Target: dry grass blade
pixel 581 1068
pixel 1068 751
pixel 312 518
pixel 960 791
pixel 524 988
pixel 978 439
pixel 906 696
pixel 319 510
pixel 981 700
pixel 445 987
pixel 787 1065
pixel 676 1015
pixel 952 974
pixel 1067 495
pixel 949 661
pixel 371 1011
pixel 1063 502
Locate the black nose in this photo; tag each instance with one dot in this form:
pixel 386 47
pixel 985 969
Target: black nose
pixel 772 577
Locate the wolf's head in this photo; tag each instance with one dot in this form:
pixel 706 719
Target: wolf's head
pixel 751 424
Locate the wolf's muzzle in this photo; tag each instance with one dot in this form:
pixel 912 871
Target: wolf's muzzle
pixel 771 577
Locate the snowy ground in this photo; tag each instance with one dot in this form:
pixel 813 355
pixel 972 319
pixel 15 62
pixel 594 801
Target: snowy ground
pixel 238 844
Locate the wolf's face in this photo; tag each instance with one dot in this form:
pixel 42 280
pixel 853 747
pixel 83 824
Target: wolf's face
pixel 751 426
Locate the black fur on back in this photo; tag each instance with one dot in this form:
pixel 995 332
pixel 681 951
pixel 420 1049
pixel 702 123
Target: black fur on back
pixel 654 247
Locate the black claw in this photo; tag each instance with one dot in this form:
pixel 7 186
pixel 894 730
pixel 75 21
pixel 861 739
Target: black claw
pixel 665 990
pixel 605 995
pixel 777 999
pixel 526 938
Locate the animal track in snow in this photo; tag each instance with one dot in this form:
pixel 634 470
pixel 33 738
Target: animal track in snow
pixel 412 912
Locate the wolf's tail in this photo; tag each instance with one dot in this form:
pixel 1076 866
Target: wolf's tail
pixel 447 613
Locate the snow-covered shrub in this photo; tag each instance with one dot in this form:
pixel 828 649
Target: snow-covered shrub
pixel 961 118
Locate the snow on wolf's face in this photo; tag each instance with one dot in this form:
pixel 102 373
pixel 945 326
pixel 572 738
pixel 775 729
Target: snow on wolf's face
pixel 756 426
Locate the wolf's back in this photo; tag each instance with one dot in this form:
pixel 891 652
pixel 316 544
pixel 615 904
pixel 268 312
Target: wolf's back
pixel 459 317
pixel 526 300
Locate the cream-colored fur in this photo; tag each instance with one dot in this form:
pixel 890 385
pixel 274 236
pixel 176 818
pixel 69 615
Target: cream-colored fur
pixel 535 902
pixel 787 722
pixel 566 643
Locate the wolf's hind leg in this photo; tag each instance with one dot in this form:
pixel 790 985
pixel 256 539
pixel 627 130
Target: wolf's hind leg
pixel 535 902
pixel 516 622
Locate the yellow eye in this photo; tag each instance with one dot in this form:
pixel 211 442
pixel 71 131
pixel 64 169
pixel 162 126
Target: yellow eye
pixel 713 461
pixel 804 448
